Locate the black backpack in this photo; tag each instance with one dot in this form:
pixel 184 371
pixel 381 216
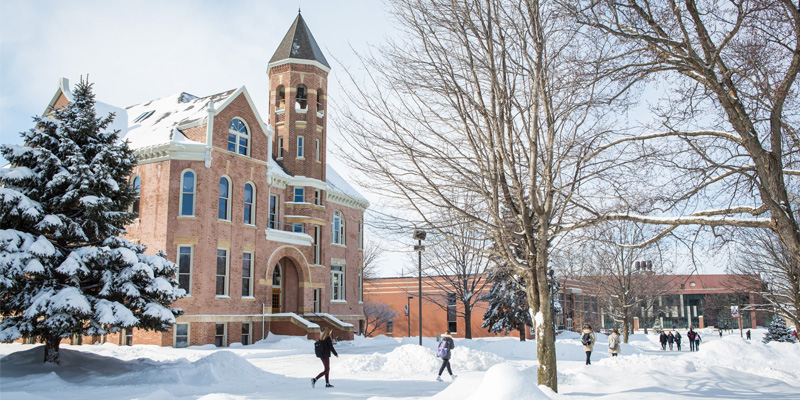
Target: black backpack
pixel 318 348
pixel 586 339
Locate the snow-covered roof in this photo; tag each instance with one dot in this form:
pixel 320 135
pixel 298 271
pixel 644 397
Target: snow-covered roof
pixel 338 186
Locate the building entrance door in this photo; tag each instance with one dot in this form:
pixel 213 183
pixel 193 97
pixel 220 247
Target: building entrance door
pixel 276 290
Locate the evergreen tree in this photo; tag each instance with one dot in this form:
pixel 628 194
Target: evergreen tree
pixel 778 331
pixel 64 268
pixel 508 304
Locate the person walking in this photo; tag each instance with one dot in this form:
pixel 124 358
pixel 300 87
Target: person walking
pixel 720 333
pixel 445 345
pixel 670 340
pixel 587 339
pixel 691 335
pixel 325 356
pixel 613 343
pixel 748 334
pixel 678 340
pixel 697 341
pixel 663 339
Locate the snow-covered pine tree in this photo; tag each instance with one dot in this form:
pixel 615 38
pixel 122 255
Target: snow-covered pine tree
pixel 778 331
pixel 64 269
pixel 508 304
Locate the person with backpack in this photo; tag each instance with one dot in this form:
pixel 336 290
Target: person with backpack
pixel 613 343
pixel 696 341
pixel 678 340
pixel 323 349
pixel 663 340
pixel 670 340
pixel 587 339
pixel 691 335
pixel 443 350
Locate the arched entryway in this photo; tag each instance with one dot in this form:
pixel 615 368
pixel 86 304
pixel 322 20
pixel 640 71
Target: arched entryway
pixel 286 293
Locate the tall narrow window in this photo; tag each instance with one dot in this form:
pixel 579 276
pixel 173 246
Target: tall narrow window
pixel 452 322
pixel 317 246
pixel 317 299
pixel 222 272
pixel 361 234
pixel 317 197
pixel 337 282
pixel 137 189
pixel 302 100
pixel 127 337
pixel 220 335
pixel 187 193
pixel 248 204
pixel 338 228
pixel 389 327
pixel 361 285
pixel 280 147
pixel 181 335
pixel 300 146
pixel 224 198
pixel 238 137
pixel 319 99
pixel 247 333
pixel 280 98
pixel 273 211
pixel 316 151
pixel 185 260
pixel 247 274
pixel 299 195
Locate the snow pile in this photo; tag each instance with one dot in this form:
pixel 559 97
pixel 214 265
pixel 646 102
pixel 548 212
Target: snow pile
pixel 284 342
pixel 504 382
pixel 774 360
pixel 412 359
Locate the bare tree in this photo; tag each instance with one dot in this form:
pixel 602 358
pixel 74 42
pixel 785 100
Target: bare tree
pixel 376 315
pixel 763 262
pixel 494 98
pixel 372 252
pixel 727 149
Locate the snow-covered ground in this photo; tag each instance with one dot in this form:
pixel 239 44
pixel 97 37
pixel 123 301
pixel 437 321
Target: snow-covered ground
pixel 387 368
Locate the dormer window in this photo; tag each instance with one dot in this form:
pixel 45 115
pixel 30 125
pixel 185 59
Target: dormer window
pixel 301 99
pixel 280 98
pixel 238 137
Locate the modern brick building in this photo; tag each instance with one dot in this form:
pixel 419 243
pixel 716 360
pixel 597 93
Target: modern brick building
pixel 266 235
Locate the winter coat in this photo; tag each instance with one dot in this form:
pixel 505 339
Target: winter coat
pixel 670 338
pixel 677 337
pixel 691 335
pixel 663 338
pixel 327 348
pixel 449 344
pixel 591 346
pixel 613 344
pixel 697 337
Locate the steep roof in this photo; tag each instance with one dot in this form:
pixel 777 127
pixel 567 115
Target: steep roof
pixel 299 44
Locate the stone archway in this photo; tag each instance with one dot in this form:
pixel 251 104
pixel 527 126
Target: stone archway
pixel 287 272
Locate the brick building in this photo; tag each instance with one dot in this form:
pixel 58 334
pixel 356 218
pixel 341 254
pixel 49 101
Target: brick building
pixel 266 235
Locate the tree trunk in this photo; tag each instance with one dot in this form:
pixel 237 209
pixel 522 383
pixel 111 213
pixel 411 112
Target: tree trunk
pixel 467 321
pixel 543 316
pixel 51 344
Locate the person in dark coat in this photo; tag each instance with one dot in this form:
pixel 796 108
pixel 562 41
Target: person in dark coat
pixel 449 344
pixel 696 341
pixel 691 335
pixel 663 339
pixel 678 340
pixel 748 334
pixel 327 349
pixel 670 340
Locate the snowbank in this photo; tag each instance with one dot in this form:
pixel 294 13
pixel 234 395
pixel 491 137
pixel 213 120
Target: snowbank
pixel 414 359
pixel 501 382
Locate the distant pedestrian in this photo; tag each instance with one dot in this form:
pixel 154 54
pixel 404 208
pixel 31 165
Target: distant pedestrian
pixel 748 334
pixel 691 336
pixel 697 341
pixel 678 340
pixel 443 350
pixel 587 339
pixel 324 354
pixel 720 333
pixel 663 340
pixel 614 343
pixel 670 340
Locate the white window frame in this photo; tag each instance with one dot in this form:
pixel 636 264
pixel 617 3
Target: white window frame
pixel 126 334
pixel 272 223
pixel 250 276
pixel 191 266
pixel 252 204
pixel 188 335
pixel 238 136
pixel 361 285
pixel 338 290
pixel 193 193
pixel 316 152
pixel 249 333
pixel 317 245
pixel 317 197
pixel 300 147
pixel 136 205
pixel 227 199
pixel 224 334
pixel 226 277
pixel 338 228
pixel 302 192
pixel 361 234
pixel 280 147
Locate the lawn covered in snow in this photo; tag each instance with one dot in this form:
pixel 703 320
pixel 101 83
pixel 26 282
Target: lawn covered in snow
pixel 388 368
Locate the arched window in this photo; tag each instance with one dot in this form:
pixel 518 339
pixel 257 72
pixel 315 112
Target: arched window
pixel 276 276
pixel 224 198
pixel 187 193
pixel 238 137
pixel 338 228
pixel 280 98
pixel 137 189
pixel 301 98
pixel 249 201
pixel 319 100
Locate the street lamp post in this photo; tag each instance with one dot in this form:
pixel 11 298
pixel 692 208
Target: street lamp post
pixel 408 313
pixel 420 236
